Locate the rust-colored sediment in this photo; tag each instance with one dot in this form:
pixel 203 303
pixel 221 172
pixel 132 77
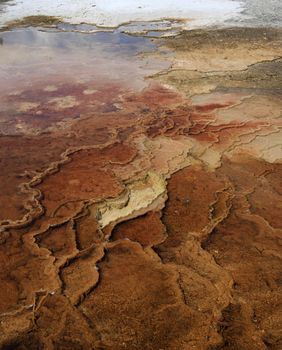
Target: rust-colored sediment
pixel 147 219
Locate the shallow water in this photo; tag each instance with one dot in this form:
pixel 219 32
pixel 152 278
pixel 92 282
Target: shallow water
pixel 119 43
pixel 63 75
pixel 28 54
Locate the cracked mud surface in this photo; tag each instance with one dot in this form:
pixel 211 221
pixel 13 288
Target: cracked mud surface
pixel 141 214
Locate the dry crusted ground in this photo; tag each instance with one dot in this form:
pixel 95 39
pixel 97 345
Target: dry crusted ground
pixel 153 221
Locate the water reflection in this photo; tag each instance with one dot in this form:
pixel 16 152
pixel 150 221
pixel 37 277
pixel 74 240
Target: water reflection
pixel 110 42
pixel 30 55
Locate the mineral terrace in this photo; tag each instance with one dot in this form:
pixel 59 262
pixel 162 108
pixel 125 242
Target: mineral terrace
pixel 140 203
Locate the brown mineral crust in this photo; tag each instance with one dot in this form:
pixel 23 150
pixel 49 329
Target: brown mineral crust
pixel 237 330
pixel 188 190
pixel 87 231
pixel 12 200
pixel 265 200
pixel 77 185
pixel 245 245
pixel 24 342
pixel 79 180
pixel 147 230
pixel 83 178
pixel 25 272
pixel 207 108
pixel 197 201
pixel 224 38
pixel 55 326
pixel 80 275
pixel 118 153
pixel 23 158
pixel 138 303
pixel 10 293
pixel 68 335
pixel 239 249
pixel 20 155
pixel 60 241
